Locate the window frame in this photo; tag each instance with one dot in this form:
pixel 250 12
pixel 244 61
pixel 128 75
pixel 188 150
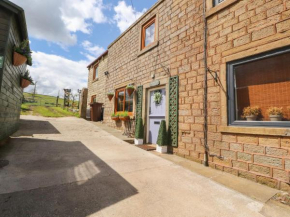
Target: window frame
pixel 94 72
pixel 143 35
pixel 117 91
pixel 93 97
pixel 231 98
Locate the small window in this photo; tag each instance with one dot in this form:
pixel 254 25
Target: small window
pixel 216 2
pixel 123 102
pixel 261 82
pixel 93 99
pixel 96 72
pixel 149 33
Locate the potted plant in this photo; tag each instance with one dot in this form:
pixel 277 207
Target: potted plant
pixel 124 116
pixel 162 140
pixel 22 54
pixel 110 95
pixel 130 89
pixel 275 113
pixel 115 117
pixel 251 113
pixel 139 132
pixel 26 79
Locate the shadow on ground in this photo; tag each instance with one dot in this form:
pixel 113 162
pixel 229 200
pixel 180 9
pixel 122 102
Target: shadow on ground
pixel 37 127
pixel 57 178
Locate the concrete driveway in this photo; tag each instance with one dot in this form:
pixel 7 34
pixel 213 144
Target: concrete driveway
pixel 70 167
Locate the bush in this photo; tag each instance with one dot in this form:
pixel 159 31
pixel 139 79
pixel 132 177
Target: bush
pixel 139 132
pixel 162 134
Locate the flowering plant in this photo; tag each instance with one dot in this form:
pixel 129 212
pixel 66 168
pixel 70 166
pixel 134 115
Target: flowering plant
pixel 275 111
pixel 251 111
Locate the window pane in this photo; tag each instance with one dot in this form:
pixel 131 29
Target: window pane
pixel 216 2
pixel 129 103
pixel 264 83
pixel 96 72
pixel 150 34
pixel 120 101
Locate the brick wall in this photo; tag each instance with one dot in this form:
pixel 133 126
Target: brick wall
pixel 127 65
pixel 97 86
pixel 242 29
pixel 11 92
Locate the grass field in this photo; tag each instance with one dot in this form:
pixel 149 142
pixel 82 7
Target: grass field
pixel 43 105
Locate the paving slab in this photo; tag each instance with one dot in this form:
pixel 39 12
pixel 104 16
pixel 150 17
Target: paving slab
pixel 71 167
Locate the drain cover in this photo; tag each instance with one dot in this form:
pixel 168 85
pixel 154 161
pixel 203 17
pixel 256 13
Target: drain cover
pixel 3 163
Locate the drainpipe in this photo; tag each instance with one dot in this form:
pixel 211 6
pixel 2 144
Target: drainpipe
pixel 205 87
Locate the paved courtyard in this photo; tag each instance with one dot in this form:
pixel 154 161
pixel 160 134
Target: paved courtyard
pixel 71 167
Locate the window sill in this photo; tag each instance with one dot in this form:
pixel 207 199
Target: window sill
pixel 220 7
pixel 95 80
pixel 256 130
pixel 148 48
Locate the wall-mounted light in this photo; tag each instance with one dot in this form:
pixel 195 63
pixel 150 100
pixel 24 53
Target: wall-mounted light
pixel 106 73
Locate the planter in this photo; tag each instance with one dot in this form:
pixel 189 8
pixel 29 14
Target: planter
pixel 138 141
pixel 127 118
pixel 130 91
pixel 251 118
pixel 18 59
pixel 275 117
pixel 25 83
pixel 110 97
pixel 161 149
pixel 115 118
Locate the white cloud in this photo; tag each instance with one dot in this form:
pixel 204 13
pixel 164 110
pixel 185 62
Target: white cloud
pixel 94 50
pixel 57 20
pixel 54 73
pixel 126 15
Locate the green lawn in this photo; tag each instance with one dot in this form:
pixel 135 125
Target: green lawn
pixel 45 106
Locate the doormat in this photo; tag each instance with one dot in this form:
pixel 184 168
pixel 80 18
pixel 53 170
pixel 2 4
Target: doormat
pixel 147 147
pixel 3 163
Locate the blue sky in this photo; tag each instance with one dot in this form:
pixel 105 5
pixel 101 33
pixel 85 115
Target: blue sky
pixel 66 35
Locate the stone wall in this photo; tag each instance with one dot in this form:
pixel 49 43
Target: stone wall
pixel 242 29
pixel 127 64
pixel 11 92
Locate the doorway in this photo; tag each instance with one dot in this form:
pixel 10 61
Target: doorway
pixel 156 113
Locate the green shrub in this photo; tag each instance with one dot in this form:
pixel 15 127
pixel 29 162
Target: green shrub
pixel 139 132
pixel 162 134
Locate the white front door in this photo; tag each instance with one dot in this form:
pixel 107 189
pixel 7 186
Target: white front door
pixel 156 114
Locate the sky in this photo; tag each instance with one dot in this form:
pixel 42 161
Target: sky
pixel 66 35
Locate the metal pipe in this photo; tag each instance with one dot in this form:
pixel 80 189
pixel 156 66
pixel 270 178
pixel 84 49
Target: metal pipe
pixel 205 162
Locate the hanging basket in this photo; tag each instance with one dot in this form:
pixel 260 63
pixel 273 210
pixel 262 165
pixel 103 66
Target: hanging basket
pixel 130 91
pixel 115 118
pixel 25 83
pixel 110 97
pixel 126 118
pixel 18 59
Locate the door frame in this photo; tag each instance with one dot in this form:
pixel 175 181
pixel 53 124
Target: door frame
pixel 148 107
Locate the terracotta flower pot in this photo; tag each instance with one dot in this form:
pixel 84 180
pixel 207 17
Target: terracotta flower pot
pixel 110 97
pixel 25 83
pixel 127 118
pixel 18 59
pixel 130 91
pixel 115 118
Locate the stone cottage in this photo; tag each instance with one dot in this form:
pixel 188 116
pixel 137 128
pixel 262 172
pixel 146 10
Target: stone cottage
pixel 210 60
pixel 13 31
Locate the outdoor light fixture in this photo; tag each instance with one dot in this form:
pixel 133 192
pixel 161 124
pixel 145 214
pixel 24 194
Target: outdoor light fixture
pixel 106 73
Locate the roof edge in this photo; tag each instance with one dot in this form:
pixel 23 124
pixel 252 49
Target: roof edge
pixel 96 60
pixel 136 22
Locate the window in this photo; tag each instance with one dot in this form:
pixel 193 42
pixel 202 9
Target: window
pixel 149 33
pixel 261 81
pixel 93 99
pixel 216 2
pixel 96 72
pixel 123 102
